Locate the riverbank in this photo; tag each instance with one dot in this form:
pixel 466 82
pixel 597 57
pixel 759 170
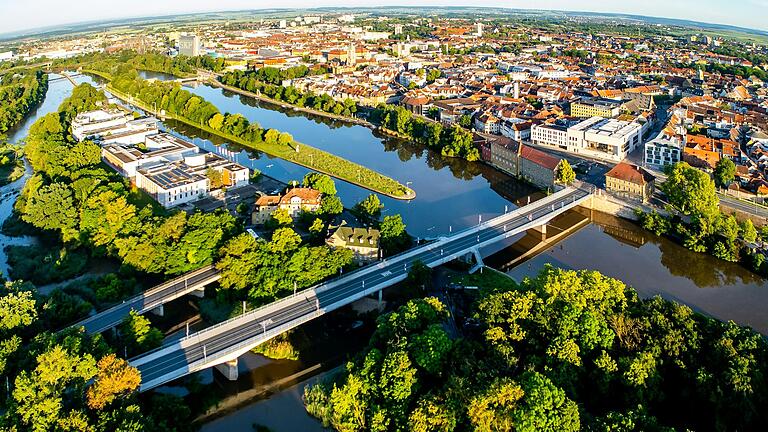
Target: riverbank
pixel 318 160
pixel 332 116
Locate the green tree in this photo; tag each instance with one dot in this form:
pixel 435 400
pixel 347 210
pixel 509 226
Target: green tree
pixel 565 174
pixel 320 182
pixel 691 192
pixel 138 333
pixel 393 236
pixel 370 208
pixel 331 206
pixel 17 309
pixel 725 172
pixel 748 231
pixel 279 218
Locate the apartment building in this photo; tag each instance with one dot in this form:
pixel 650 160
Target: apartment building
pixel 662 151
pixel 553 135
pixel 596 107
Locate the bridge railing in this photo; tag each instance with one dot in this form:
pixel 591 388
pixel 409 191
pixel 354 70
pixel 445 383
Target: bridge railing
pixel 145 294
pixel 324 286
pixel 224 354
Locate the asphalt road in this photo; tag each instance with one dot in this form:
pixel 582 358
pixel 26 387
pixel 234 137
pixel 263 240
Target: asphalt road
pixel 149 299
pixel 745 207
pixel 170 362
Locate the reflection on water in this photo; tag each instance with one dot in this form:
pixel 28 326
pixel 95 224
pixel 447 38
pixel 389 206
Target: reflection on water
pixel 658 266
pixel 451 193
pixel 282 412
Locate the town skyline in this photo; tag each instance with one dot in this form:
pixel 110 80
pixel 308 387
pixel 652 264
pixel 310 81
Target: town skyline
pixel 15 22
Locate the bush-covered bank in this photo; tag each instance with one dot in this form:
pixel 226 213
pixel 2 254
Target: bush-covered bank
pixel 20 92
pixel 11 163
pixel 564 351
pixel 260 82
pixel 452 142
pixel 696 222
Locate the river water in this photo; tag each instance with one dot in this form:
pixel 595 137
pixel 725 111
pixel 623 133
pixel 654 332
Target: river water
pixel 451 193
pixel 59 89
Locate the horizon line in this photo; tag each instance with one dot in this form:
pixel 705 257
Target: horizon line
pixel 43 30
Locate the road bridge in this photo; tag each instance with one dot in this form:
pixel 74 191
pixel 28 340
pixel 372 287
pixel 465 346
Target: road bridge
pixel 220 345
pixel 152 299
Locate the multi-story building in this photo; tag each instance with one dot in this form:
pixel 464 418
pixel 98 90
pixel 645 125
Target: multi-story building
pixel 294 201
pixel 91 123
pixel 189 45
pixel 630 181
pixel 553 135
pixel 593 107
pixel 171 184
pixel 662 151
pixel 606 138
pixel 597 137
pixel 487 123
pixel 518 131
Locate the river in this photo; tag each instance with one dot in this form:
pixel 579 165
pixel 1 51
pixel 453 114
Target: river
pixel 451 193
pixel 59 89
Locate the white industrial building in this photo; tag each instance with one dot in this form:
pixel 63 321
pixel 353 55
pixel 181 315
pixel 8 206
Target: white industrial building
pixel 170 184
pixel 596 137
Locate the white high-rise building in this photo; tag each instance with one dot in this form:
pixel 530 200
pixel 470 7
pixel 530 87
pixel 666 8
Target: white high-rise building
pixel 352 54
pixel 479 29
pixel 398 29
pixel 189 45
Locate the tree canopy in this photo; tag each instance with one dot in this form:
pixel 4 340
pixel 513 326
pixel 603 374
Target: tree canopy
pixel 563 351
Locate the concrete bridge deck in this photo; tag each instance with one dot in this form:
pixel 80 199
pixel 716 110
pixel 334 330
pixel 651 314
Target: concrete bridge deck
pixel 154 298
pixel 221 344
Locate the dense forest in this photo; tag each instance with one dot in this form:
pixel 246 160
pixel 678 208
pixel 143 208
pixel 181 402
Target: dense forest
pixel 20 93
pixel 564 351
pixel 66 380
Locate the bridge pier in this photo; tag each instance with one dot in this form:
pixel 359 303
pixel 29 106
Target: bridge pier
pixel 159 311
pixel 478 260
pixel 542 230
pixel 199 293
pixel 228 369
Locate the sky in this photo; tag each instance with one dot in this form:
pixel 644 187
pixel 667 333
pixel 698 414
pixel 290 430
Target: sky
pixel 18 15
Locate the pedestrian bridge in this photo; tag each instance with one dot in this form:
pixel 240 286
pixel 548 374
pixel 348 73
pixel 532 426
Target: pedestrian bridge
pixel 152 299
pixel 220 345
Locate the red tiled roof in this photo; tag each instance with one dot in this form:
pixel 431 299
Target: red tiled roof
pixel 539 157
pixel 630 173
pixel 307 195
